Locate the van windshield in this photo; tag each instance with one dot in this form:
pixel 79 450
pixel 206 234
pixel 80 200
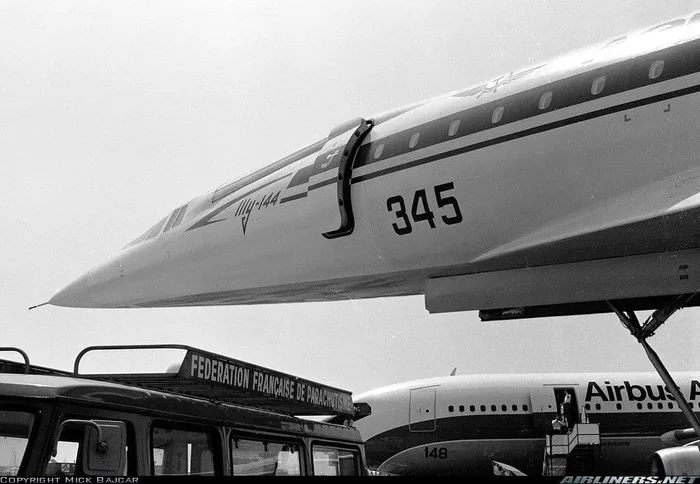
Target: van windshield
pixel 15 428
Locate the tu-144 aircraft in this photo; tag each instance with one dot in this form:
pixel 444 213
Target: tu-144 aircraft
pixel 548 190
pixel 571 186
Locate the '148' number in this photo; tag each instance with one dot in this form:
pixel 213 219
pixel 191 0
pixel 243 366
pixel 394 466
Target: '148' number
pixel 436 452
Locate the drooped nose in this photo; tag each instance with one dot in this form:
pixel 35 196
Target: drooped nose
pixel 74 295
pixel 101 287
pixel 125 280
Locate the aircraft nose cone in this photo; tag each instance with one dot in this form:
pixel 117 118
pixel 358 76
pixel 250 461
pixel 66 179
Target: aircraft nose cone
pixel 74 295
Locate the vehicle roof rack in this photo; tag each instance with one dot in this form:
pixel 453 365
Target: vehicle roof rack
pixel 222 379
pixel 9 366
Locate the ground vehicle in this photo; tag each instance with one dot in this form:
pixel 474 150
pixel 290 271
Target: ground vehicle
pixel 54 422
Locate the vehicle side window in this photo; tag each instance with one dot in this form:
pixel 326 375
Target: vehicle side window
pixel 330 461
pixel 15 428
pixel 182 452
pixel 64 462
pixel 69 452
pixel 265 458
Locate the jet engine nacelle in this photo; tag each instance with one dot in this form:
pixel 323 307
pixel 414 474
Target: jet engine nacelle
pixel 677 461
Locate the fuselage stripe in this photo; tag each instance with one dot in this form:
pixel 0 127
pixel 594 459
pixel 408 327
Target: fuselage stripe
pixel 293 197
pixel 620 77
pixel 530 132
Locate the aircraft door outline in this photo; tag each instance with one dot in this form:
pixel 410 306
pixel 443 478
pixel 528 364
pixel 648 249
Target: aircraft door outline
pixel 421 409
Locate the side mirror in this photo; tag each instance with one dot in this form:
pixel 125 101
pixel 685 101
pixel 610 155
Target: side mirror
pixel 104 448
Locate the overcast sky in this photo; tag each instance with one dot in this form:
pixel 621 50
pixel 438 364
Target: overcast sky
pixel 114 112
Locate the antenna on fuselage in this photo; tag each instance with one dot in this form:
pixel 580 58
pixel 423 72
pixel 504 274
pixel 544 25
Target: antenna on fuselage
pixel 454 371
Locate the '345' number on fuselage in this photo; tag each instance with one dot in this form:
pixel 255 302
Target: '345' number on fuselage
pixel 420 209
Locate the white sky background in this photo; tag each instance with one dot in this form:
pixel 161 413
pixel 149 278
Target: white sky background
pixel 113 113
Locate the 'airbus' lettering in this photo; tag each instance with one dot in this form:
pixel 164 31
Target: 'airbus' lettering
pixel 634 393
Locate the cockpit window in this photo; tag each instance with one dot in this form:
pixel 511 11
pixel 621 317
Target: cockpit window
pixel 156 229
pixel 175 218
pixel 180 216
pixel 177 215
pixel 152 232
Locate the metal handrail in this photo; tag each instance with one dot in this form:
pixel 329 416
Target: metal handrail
pixel 573 437
pixel 167 346
pixel 17 350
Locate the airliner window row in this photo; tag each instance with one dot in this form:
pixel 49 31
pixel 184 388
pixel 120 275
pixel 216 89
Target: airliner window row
pixel 640 406
pixel 482 408
pixel 588 406
pixel 663 65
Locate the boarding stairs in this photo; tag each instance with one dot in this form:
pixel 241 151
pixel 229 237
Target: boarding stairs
pixel 578 448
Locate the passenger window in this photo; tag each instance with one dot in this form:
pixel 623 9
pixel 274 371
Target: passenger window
pixel 182 452
pixel 329 461
pixel 378 151
pixel 453 128
pixel 546 100
pixel 15 428
pixel 414 140
pixel 497 114
pixel 656 69
pixel 256 458
pixel 598 85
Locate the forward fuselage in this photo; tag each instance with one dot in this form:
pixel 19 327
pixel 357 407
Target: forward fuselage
pixel 584 168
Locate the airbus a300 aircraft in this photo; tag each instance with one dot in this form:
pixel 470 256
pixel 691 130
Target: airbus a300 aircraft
pixel 462 424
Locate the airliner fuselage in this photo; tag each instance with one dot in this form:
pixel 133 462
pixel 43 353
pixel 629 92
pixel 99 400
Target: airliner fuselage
pixel 460 424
